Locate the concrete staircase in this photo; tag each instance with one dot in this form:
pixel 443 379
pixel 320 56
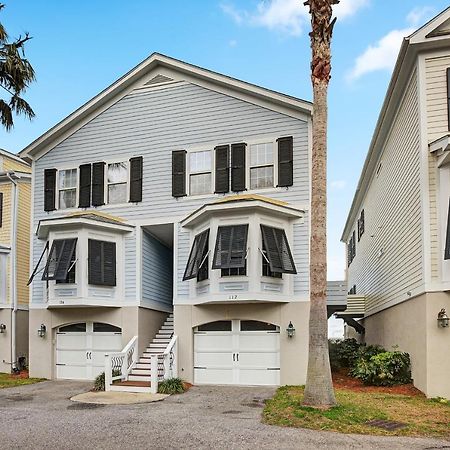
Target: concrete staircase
pixel 140 375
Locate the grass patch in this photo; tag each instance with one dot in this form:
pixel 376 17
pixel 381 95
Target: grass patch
pixel 7 380
pixel 423 417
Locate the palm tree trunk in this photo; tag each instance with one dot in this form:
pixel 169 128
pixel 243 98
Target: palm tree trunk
pixel 319 386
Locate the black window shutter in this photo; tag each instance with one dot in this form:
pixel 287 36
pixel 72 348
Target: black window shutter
pixel 447 241
pixel 98 184
pixel 222 169
pixel 49 189
pixel 238 167
pixel 1 209
pixel 231 247
pixel 196 256
pixel 101 263
pixel 448 97
pixel 59 259
pixel 278 250
pixel 85 186
pixel 136 174
pixel 285 161
pixel 179 173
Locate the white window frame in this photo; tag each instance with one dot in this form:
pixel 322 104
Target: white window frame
pixel 262 140
pixel 58 190
pixel 106 189
pixel 211 171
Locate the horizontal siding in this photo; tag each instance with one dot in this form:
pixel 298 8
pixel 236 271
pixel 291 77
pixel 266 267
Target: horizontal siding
pixel 337 292
pixel 300 253
pixel 388 260
pixel 5 230
pixel 12 164
pixel 23 242
pixel 154 122
pixel 157 271
pixel 436 107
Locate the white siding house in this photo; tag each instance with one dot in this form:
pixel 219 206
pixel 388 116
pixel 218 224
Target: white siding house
pixel 397 227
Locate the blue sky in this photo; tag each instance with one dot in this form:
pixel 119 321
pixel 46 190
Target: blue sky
pixel 79 48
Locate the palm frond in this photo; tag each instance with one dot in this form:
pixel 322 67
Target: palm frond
pixel 6 118
pixel 20 106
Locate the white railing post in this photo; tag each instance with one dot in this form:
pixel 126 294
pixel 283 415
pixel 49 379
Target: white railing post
pixel 167 373
pixel 154 374
pixel 175 360
pixel 108 372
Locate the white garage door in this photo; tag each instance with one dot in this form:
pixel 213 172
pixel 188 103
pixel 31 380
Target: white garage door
pixel 81 348
pixel 243 352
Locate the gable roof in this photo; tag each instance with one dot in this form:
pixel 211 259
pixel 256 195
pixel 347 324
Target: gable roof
pixel 126 83
pixel 425 38
pixel 13 156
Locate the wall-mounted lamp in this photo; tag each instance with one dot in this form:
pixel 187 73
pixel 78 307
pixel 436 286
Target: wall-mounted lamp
pixel 290 330
pixel 442 319
pixel 42 330
pixel 2 328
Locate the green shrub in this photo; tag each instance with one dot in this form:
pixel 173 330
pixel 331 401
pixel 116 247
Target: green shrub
pixel 99 382
pixel 171 386
pixel 383 368
pixel 343 353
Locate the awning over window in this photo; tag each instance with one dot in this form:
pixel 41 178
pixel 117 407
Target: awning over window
pixel 231 247
pixel 277 249
pixel 197 255
pixel 60 259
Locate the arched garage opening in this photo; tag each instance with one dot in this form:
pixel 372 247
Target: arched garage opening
pixel 241 352
pixel 81 349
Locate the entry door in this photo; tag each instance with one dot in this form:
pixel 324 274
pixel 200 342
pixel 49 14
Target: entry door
pixel 81 348
pixel 237 352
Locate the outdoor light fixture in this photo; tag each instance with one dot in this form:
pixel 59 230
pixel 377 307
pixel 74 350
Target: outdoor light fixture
pixel 290 330
pixel 2 328
pixel 442 319
pixel 42 330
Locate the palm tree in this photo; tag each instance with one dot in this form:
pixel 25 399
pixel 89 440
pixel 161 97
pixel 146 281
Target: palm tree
pixel 16 74
pixel 319 386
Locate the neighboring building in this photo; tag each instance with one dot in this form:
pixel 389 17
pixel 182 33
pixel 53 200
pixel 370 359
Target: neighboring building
pixel 15 212
pixel 180 190
pixel 398 230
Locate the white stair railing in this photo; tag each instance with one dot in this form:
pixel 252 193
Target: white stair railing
pixel 119 364
pixel 164 366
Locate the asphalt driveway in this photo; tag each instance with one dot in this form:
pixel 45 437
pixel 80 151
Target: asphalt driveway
pixel 42 416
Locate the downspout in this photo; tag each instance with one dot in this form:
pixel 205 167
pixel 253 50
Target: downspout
pixel 13 274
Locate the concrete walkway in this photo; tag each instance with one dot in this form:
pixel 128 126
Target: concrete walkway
pixel 117 398
pixel 42 416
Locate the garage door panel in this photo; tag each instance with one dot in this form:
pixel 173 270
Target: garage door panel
pixel 108 342
pixel 259 359
pixel 71 372
pixel 270 342
pixel 216 359
pixel 213 376
pixel 71 357
pixel 259 377
pixel 71 341
pixel 213 342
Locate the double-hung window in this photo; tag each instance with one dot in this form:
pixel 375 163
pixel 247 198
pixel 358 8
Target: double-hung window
pixel 117 180
pixel 261 165
pixel 68 179
pixel 200 172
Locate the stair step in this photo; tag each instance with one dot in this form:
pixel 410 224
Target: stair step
pixel 137 371
pixel 161 345
pixel 154 350
pixel 165 332
pixel 131 386
pixel 143 365
pixel 167 327
pixel 135 377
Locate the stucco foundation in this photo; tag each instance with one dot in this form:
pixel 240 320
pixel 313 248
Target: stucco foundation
pixel 132 320
pixel 5 338
pixel 293 352
pixel 412 326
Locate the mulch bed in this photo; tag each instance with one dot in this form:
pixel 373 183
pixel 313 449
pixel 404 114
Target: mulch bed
pixel 341 380
pixel 21 374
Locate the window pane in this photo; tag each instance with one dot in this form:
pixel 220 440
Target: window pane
pixel 105 328
pixel 200 184
pixel 117 193
pixel 68 199
pixel 117 172
pixel 254 325
pixel 74 328
pixel 68 178
pixel 261 154
pixel 261 177
pixel 220 325
pixel 200 161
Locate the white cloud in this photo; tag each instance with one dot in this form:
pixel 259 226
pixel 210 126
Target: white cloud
pixel 286 16
pixel 383 54
pixel 338 184
pixel 380 56
pixel 232 43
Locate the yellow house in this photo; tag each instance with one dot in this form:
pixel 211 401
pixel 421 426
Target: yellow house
pixel 15 210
